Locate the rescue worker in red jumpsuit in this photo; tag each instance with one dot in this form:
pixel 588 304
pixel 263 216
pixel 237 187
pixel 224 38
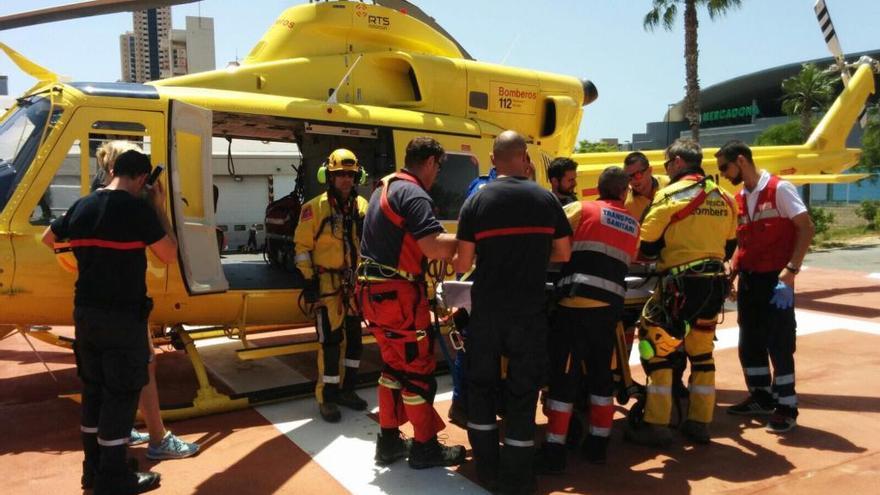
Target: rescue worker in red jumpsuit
pixel 400 232
pixel 327 240
pixel 592 289
pixel 774 233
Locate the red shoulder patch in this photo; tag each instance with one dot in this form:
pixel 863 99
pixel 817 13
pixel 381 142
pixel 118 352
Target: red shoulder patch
pixel 306 214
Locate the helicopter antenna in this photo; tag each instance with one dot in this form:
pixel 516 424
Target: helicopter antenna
pixel 510 49
pixel 333 99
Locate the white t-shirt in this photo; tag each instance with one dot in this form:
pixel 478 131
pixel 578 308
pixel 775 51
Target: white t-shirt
pixel 788 202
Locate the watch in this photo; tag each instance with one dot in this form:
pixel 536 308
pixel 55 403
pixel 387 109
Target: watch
pixel 793 269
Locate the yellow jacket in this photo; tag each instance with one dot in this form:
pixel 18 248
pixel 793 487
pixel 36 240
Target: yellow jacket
pixel 636 204
pixel 320 241
pixel 709 231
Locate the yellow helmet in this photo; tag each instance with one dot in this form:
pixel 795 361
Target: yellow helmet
pixel 342 160
pixel 654 340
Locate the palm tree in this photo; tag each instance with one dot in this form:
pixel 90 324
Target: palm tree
pixel 804 94
pixel 811 90
pixel 664 11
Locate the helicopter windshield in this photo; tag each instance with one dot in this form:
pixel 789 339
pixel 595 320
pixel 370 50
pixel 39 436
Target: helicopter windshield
pixel 19 139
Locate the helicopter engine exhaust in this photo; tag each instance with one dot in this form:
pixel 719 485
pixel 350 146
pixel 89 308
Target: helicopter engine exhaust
pixel 591 93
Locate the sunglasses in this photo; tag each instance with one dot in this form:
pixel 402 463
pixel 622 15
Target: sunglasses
pixel 668 162
pixel 344 173
pixel 638 174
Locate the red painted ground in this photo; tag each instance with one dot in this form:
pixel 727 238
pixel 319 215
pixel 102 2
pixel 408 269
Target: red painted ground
pixel 836 447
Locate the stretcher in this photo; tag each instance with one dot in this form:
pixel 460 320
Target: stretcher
pixel 456 295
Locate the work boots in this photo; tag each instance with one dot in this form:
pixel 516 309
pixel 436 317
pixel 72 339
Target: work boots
pixel 696 431
pixel 649 435
pixel 116 476
pixel 330 411
pixel 595 449
pixel 391 446
pixel 550 459
pixel 90 471
pixel 348 398
pixel 432 453
pixel 135 482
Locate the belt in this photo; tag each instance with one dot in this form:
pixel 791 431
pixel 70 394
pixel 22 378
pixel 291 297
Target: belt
pixel 372 271
pixel 680 269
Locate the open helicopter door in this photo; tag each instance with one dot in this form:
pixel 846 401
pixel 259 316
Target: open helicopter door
pixel 192 198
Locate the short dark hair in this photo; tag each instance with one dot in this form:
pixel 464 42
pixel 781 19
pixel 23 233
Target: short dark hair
pixel 689 151
pixel 559 166
pixel 613 181
pixel 635 157
pixel 132 164
pixel 420 149
pixel 733 149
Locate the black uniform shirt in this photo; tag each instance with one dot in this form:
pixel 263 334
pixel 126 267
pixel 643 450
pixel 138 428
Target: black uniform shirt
pixel 109 231
pixel 513 222
pixel 381 240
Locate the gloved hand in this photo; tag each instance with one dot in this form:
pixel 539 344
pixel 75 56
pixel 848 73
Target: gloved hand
pixel 311 292
pixel 783 296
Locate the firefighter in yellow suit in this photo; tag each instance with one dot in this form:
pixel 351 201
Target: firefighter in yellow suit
pixel 327 242
pixel 690 228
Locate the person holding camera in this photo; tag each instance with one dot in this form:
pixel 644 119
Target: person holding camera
pixel 163 444
pixel 109 231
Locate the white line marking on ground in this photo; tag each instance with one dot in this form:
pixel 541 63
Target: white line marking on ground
pixel 346 449
pixel 808 322
pixel 874 275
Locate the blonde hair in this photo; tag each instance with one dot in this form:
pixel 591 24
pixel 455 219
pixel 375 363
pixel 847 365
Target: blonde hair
pixel 110 151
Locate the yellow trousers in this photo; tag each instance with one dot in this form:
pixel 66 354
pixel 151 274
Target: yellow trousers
pixel 339 333
pixel 698 345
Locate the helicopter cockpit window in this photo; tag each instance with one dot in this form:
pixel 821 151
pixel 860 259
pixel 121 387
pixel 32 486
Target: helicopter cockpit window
pixel 448 192
pixel 19 139
pixel 69 183
pixel 63 191
pixel 105 125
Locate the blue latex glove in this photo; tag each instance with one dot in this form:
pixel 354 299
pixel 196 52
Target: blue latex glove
pixel 783 296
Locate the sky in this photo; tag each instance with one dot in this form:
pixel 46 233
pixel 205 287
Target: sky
pixel 638 73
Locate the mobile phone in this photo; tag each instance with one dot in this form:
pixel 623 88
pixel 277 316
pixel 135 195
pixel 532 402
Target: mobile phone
pixel 154 175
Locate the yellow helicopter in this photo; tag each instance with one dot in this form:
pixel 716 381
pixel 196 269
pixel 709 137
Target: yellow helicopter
pixel 367 77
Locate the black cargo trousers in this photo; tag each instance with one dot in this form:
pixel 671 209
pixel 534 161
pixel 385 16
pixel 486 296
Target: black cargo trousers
pixel 112 353
pixel 522 339
pixel 767 335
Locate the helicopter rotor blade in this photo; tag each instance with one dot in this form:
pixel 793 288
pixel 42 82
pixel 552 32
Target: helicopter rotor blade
pixel 827 27
pixel 81 9
pixel 414 11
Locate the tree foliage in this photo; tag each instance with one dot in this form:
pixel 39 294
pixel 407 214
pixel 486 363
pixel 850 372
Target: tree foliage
pixel 585 146
pixel 822 219
pixel 781 134
pixel 870 211
pixel 663 12
pixel 870 161
pixel 807 93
